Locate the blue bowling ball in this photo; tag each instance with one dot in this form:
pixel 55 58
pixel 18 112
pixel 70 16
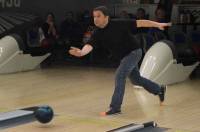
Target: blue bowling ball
pixel 44 114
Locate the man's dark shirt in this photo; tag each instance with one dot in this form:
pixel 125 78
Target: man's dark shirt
pixel 116 37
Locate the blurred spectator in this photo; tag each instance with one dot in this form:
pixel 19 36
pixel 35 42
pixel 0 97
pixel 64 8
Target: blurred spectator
pixel 86 20
pixel 50 36
pixel 70 29
pixel 49 27
pixel 160 14
pixel 124 14
pixel 140 14
pixel 154 33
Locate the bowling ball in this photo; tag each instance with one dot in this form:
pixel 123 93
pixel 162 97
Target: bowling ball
pixel 45 43
pixel 44 114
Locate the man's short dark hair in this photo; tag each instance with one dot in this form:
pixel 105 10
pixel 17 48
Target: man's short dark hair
pixel 103 9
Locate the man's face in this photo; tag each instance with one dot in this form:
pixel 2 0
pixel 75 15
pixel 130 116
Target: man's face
pixel 100 19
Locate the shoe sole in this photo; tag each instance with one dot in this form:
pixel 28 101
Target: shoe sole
pixel 104 114
pixel 114 114
pixel 161 103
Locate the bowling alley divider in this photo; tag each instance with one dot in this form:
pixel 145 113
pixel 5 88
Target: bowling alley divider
pixel 145 127
pixel 43 114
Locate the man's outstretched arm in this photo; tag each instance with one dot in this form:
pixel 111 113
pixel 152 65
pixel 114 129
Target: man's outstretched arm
pixel 149 23
pixel 81 52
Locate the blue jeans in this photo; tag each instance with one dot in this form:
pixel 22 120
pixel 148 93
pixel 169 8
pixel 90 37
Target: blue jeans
pixel 129 68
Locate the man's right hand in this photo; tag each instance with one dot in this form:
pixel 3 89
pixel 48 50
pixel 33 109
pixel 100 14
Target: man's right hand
pixel 75 51
pixel 162 26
